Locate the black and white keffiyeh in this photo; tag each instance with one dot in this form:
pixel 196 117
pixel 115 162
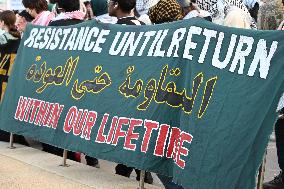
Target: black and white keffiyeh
pixel 209 5
pixel 238 3
pixel 215 6
pixel 218 8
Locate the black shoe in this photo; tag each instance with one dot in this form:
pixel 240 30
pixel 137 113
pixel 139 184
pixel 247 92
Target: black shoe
pixel 276 183
pixel 148 177
pixel 91 161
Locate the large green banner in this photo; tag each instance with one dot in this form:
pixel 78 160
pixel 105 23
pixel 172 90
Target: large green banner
pixel 189 99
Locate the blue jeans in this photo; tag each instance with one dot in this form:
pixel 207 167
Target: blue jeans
pixel 168 183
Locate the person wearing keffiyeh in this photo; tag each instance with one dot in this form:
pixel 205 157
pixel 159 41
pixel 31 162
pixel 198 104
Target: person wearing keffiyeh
pixel 165 11
pixel 143 6
pixel 220 8
pixel 278 181
pixel 191 10
pixel 253 8
pixel 39 10
pixel 236 18
pixel 70 15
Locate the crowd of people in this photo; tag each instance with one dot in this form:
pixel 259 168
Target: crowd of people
pixel 247 14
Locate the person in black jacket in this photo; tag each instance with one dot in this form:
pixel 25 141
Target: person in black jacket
pixel 124 11
pixel 9 44
pixel 278 181
pixel 70 15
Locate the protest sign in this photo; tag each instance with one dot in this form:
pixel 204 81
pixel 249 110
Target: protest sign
pixel 189 99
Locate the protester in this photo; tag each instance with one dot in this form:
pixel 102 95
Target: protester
pixel 219 9
pixel 191 10
pixel 22 20
pixel 100 10
pixel 278 181
pixel 253 8
pixel 99 7
pixel 237 18
pixel 165 11
pixel 143 6
pixel 39 10
pixel 123 10
pixel 70 15
pixel 273 11
pixel 142 9
pixel 90 15
pixel 188 6
pixel 9 44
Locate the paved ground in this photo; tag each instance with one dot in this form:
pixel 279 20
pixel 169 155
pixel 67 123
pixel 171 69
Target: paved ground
pixel 272 168
pixel 28 168
pixel 17 175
